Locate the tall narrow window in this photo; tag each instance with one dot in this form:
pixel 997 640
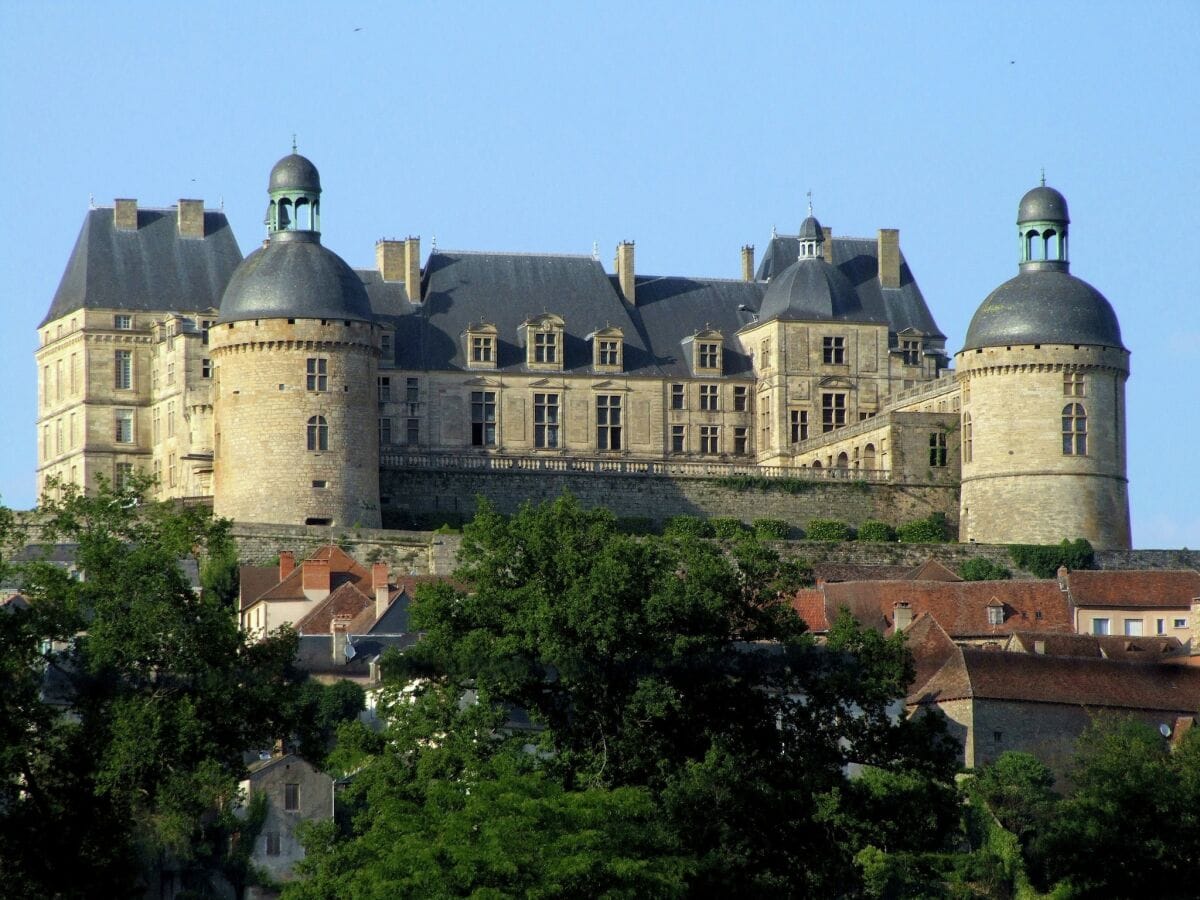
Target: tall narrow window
pixel 318 373
pixel 170 373
pixel 60 383
pixel 1074 430
pixel 412 390
pixel 678 396
pixel 937 449
pixel 123 360
pixel 291 797
pixel 710 439
pixel 156 425
pixel 412 432
pixel 206 368
pixel 74 373
pixel 608 422
pixel 968 439
pixel 833 350
pixel 385 430
pixel 740 398
pixel 545 421
pixel 385 389
pixel 678 438
pixel 483 418
pixel 833 411
pixel 172 470
pixel 124 426
pixel 171 419
pixel 799 425
pixel 764 354
pixel 741 442
pixel 318 434
pixel 709 397
pixel 385 348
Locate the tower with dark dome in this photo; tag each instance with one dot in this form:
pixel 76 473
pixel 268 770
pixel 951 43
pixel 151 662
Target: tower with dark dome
pixel 295 352
pixel 1043 373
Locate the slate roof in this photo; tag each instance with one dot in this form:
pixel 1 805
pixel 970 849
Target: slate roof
pixel 1143 588
pixel 1131 649
pixel 315 653
pixel 960 607
pixel 152 268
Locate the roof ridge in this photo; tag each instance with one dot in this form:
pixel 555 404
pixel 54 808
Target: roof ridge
pixel 528 253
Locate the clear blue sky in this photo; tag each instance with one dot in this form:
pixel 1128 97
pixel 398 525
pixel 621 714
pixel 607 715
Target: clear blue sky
pixel 690 128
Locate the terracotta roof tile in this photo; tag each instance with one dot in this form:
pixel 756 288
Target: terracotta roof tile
pixel 342 569
pixel 1156 648
pixel 345 600
pixel 1162 588
pixel 932 570
pixel 809 604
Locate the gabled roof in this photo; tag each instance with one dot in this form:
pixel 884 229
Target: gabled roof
pixel 1131 649
pixel 1143 588
pixel 932 570
pixel 345 600
pixel 931 647
pixel 960 607
pixel 150 268
pixel 259 583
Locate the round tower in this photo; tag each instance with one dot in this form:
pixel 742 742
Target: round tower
pixel 295 355
pixel 1043 375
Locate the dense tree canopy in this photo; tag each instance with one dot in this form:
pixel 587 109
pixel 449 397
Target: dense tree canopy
pixel 685 728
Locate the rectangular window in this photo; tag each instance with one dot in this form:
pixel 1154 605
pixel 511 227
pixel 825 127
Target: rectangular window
pixel 318 373
pixel 74 373
pixel 121 475
pixel 741 444
pixel 206 368
pixel 1099 626
pixel 911 351
pixel 1160 626
pixel 291 797
pixel 545 347
pixel 483 418
pixel 171 419
pixel 799 425
pixel 709 397
pixel 72 435
pixel 124 426
pixel 1133 628
pixel 833 411
pixel 609 353
pixel 385 431
pixel 709 439
pixel 833 350
pixel 764 353
pixel 1179 623
pixel 608 422
pixel 678 438
pixel 937 449
pixel 741 395
pixel 545 421
pixel 385 348
pixel 412 432
pixel 45 385
pixel 60 383
pixel 205 325
pixel 1073 384
pixel 272 843
pixel 58 436
pixel 156 425
pixel 708 356
pixel 123 361
pixel 482 350
pixel 764 424
pixel 678 396
pixel 172 470
pixel 45 442
pixel 170 373
pixel 123 323
pixel 385 389
pixel 411 390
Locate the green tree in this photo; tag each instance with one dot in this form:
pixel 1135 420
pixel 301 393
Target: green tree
pixel 980 568
pixel 138 765
pixel 1019 790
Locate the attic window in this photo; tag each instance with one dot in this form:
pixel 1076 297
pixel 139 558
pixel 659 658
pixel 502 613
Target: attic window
pixel 995 615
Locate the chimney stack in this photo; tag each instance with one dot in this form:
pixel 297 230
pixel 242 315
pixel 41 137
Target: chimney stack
pixel 379 584
pixel 314 578
pixel 1194 628
pixel 889 257
pixel 747 262
pixel 389 259
pixel 901 616
pixel 191 218
pixel 125 215
pixel 339 625
pixel 827 244
pixel 624 266
pixel 412 268
pixel 287 563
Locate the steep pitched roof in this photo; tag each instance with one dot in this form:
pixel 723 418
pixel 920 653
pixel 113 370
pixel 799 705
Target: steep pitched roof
pixel 150 268
pixel 1131 649
pixel 343 568
pixel 671 309
pixel 809 604
pixel 932 570
pixel 960 607
pixel 931 648
pixel 345 600
pixel 1147 588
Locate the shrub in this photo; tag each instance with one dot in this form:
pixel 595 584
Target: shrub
pixel 1043 560
pixel 981 569
pixel 828 530
pixel 636 525
pixel 880 532
pixel 687 526
pixel 728 529
pixel 931 530
pixel 771 529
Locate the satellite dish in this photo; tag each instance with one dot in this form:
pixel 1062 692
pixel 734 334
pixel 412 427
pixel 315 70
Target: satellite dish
pixel 350 651
pixel 1165 730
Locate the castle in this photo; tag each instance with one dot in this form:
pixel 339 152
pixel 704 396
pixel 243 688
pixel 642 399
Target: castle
pixel 283 384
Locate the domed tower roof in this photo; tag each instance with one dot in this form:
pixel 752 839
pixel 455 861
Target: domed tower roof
pixel 293 275
pixel 810 288
pixel 810 230
pixel 1045 303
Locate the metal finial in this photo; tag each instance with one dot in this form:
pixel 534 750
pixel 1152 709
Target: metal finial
pixel 774 233
pixel 433 244
pixel 595 250
pixel 91 201
pixel 1043 176
pixel 810 203
pixel 293 142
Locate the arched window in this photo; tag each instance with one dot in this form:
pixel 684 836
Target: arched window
pixel 968 438
pixel 869 456
pixel 816 464
pixel 1074 430
pixel 843 461
pixel 318 434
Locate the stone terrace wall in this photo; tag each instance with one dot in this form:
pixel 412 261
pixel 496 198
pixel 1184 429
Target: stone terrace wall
pixel 420 552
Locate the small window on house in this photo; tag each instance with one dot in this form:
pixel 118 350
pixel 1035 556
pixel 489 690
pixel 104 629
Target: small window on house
pixel 937 449
pixel 1100 626
pixel 1074 430
pixel 678 438
pixel 483 349
pixel 968 449
pixel 124 426
pixel 609 345
pixel 1179 623
pixel 833 350
pixel 291 797
pixel 545 421
pixel 272 843
pixel 764 354
pixel 995 615
pixel 1160 626
pixel 545 347
pixel 741 398
pixel 741 442
pixel 708 356
pixel 122 474
pixel 318 434
pixel 319 483
pixel 709 397
pixel 710 439
pixel 997 737
pixel 799 425
pixel 412 432
pixel 385 431
pixel 206 368
pixel 317 372
pixel 123 322
pixel 833 411
pixel 205 325
pixel 412 390
pixel 384 384
pixel 911 351
pixel 1133 628
pixel 678 396
pixel 385 347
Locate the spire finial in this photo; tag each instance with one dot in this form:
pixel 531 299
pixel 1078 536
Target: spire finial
pixel 773 232
pixel 1043 176
pixel 810 202
pixel 293 142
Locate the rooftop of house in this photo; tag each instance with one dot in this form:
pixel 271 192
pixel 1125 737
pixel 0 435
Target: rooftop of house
pixel 1140 588
pixel 1132 649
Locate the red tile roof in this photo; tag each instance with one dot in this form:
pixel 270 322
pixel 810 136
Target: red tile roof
pixel 932 570
pixel 960 607
pixel 1151 588
pixel 1157 648
pixel 809 604
pixel 346 600
pixel 263 582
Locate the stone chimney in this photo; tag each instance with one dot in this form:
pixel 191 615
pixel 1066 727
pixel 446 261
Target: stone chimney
pixel 747 262
pixel 625 275
pixel 314 578
pixel 412 268
pixel 901 616
pixel 389 259
pixel 827 245
pixel 889 257
pixel 379 584
pixel 339 625
pixel 287 563
pixel 1194 627
pixel 125 215
pixel 191 218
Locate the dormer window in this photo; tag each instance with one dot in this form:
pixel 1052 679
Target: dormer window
pixel 481 348
pixel 544 342
pixel 608 347
pixel 995 613
pixel 708 352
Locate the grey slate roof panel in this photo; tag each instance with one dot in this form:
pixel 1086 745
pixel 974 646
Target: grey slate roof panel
pixel 152 268
pixel 1044 307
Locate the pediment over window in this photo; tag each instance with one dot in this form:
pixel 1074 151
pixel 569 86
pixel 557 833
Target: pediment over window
pixel 836 381
pixel 481 345
pixel 482 381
